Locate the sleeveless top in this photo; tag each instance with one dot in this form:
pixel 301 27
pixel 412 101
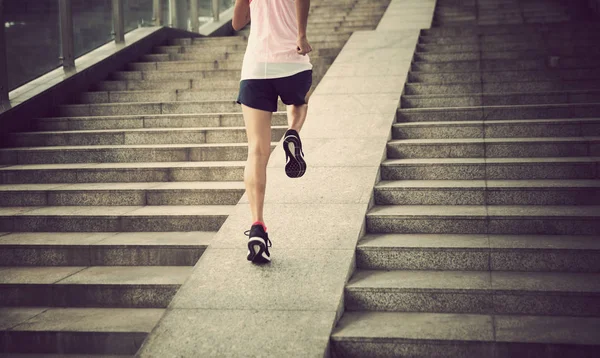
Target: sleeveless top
pixel 271 50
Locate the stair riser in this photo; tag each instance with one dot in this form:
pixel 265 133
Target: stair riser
pixel 203 57
pixel 98 255
pixel 506 171
pixel 494 39
pixel 127 175
pixel 163 121
pixel 472 301
pixel 489 225
pixel 151 108
pixel 207 77
pixel 560 46
pixel 429 57
pixel 208 41
pixel 573 28
pixel 499 65
pixel 124 155
pixel 121 197
pixel 213 50
pixel 496 87
pixel 504 76
pixel 104 296
pixel 191 136
pixel 517 130
pixel 72 342
pixel 501 113
pixel 531 260
pixel 90 223
pixel 185 66
pixel 390 347
pixel 500 100
pixel 165 85
pixel 489 196
pixel 494 150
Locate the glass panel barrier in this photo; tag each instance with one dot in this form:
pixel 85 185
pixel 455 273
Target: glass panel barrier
pixel 32 39
pixel 92 24
pixel 138 13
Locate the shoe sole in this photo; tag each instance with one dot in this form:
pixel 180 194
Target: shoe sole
pixel 296 166
pixel 257 251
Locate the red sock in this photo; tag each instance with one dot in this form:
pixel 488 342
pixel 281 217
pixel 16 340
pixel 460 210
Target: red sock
pixel 260 223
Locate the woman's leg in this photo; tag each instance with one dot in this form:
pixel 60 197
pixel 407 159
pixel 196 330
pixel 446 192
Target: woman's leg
pixel 258 131
pixel 296 116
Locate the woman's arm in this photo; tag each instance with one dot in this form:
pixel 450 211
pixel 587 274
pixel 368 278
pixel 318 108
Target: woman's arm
pixel 302 8
pixel 241 14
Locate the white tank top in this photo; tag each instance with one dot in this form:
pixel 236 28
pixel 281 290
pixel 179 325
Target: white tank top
pixel 271 51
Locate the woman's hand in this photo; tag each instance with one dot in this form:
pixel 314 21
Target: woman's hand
pixel 303 47
pixel 241 14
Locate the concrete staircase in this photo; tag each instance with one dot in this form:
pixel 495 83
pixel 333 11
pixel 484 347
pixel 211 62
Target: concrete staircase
pixel 484 237
pixel 106 208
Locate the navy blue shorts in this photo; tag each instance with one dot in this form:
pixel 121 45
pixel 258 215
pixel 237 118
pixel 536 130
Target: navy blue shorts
pixel 262 94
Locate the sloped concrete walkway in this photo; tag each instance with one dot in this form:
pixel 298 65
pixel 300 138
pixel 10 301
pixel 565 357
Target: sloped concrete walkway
pixel 229 307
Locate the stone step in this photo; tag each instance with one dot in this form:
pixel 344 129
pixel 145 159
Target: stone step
pixel 209 41
pixel 393 334
pixel 202 57
pixel 535 37
pixel 125 172
pixel 179 66
pixel 483 252
pixel 125 153
pixel 531 111
pixel 113 218
pixel 481 219
pixel 166 85
pixel 501 87
pixel 149 121
pixel 122 194
pixel 205 78
pixel 103 248
pixel 515 128
pixel 577 45
pixel 539 64
pixel 504 76
pixel 483 292
pixel 491 168
pixel 50 355
pixel 486 192
pixel 151 108
pixel 213 50
pixel 118 331
pixel 494 147
pixel 137 136
pixel 95 286
pixel 500 99
pixel 525 29
pixel 503 55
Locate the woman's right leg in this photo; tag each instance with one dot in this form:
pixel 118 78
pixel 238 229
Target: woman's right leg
pixel 258 131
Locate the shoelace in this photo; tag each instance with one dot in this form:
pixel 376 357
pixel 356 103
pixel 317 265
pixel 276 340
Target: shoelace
pixel 269 244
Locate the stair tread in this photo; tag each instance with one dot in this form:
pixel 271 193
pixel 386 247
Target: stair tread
pixel 512 106
pixel 188 185
pixel 116 320
pixel 565 92
pixel 497 122
pixel 127 146
pixel 137 130
pixel 482 184
pixel 124 165
pixel 95 275
pixel 482 211
pixel 477 241
pixel 590 159
pixel 150 116
pixel 117 211
pixel 494 140
pixel 475 280
pixel 409 326
pixel 112 239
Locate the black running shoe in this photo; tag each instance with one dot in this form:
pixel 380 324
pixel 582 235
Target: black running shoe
pixel 258 245
pixel 295 165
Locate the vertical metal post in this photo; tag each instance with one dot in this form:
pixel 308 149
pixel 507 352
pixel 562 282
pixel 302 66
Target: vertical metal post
pixel 195 22
pixel 216 5
pixel 118 21
pixel 173 13
pixel 66 35
pixel 3 58
pixel 158 12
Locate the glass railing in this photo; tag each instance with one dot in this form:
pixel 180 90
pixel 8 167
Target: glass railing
pixel 36 39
